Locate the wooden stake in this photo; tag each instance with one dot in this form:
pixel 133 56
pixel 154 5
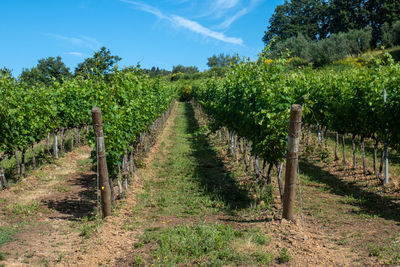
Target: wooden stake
pixel 3 180
pixel 291 162
pixel 55 145
pixel 102 162
pixel 336 146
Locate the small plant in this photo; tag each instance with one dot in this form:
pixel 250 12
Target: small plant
pixel 263 258
pixel 310 149
pixel 23 209
pixel 374 250
pixel 261 239
pixel 284 256
pixel 86 227
pixel 138 245
pixel 138 261
pixel 60 257
pixel 7 233
pixel 2 256
pixel 62 189
pixel 44 262
pixel 323 154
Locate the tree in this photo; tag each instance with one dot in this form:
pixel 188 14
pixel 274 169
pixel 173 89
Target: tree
pixel 306 17
pixel 31 76
pixel 102 63
pixel 222 60
pixel 379 13
pixel 297 46
pixel 346 15
pixel 5 72
pixel 47 71
pixel 184 69
pixel 391 34
pixel 156 72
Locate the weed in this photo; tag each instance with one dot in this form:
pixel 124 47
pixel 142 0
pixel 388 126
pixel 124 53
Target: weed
pixel 60 257
pixel 23 209
pixel 185 243
pixel 284 256
pixel 29 254
pixel 138 261
pixel 84 162
pixel 85 227
pixel 374 250
pixel 7 233
pixel 310 149
pixel 261 239
pixel 44 262
pixel 323 154
pixel 263 258
pixel 343 242
pixel 2 256
pixel 62 189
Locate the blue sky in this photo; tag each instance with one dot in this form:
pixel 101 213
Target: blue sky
pixel 161 33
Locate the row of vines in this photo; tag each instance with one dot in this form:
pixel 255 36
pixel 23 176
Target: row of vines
pixel 254 101
pixel 130 103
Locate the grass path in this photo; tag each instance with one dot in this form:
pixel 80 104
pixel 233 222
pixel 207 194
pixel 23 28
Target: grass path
pixel 193 207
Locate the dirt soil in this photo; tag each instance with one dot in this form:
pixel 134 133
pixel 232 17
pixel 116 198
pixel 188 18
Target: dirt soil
pixel 45 207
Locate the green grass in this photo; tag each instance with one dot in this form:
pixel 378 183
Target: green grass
pixel 179 203
pixel 206 243
pixel 85 226
pixel 23 210
pixel 7 233
pixel 386 253
pixel 185 186
pixel 284 256
pixel 3 256
pixel 62 188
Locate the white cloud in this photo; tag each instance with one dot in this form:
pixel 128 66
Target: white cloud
pixel 146 8
pixel 84 41
pixel 227 22
pixel 186 23
pixel 77 54
pixel 226 3
pixel 244 11
pixel 197 28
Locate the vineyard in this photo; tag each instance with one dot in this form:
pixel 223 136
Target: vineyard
pixel 193 182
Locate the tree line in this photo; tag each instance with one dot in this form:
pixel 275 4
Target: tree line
pixel 309 28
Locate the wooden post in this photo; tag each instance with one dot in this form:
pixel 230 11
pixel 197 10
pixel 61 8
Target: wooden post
pixel 291 162
pixel 3 180
pixel 55 144
pixel 101 162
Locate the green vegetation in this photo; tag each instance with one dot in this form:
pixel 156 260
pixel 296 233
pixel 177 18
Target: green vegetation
pixel 321 32
pixel 85 226
pixel 7 233
pixel 191 180
pixel 130 103
pixel 23 209
pixel 284 256
pixel 216 244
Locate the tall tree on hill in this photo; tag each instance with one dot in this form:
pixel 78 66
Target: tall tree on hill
pixel 47 71
pixel 101 63
pixel 382 12
pixel 345 15
pixel 318 19
pixel 306 17
pixel 184 69
pixel 222 60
